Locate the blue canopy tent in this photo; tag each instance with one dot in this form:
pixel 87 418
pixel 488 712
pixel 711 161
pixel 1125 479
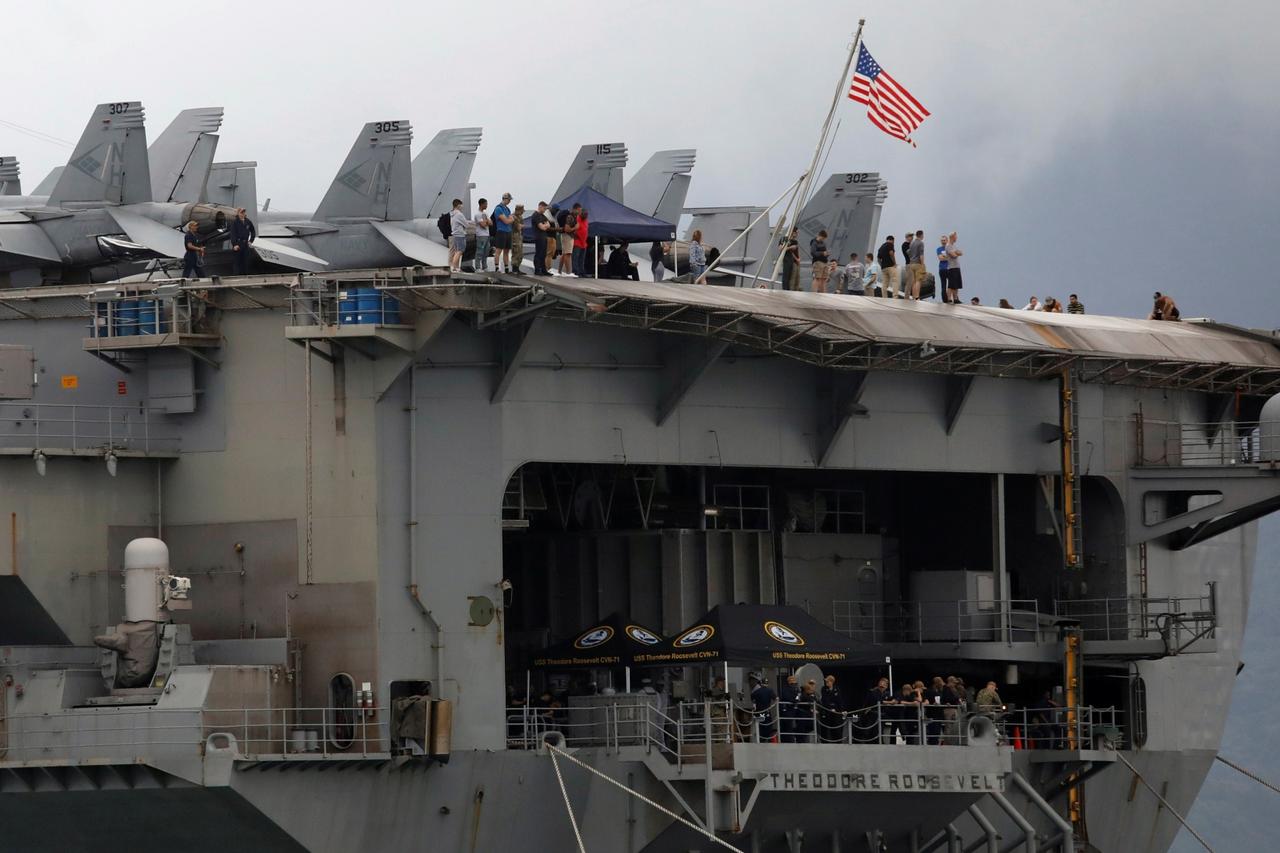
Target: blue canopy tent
pixel 613 221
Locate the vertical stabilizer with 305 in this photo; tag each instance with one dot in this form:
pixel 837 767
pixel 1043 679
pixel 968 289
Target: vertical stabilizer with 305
pixel 110 160
pixel 376 180
pixel 442 171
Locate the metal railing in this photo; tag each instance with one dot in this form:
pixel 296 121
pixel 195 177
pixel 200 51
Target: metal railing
pixel 1178 620
pixel 145 313
pixel 962 621
pixel 682 734
pixel 1178 443
pixel 133 733
pixel 80 427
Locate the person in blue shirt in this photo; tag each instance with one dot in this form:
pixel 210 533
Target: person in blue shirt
pixel 242 234
pixel 193 251
pixel 502 220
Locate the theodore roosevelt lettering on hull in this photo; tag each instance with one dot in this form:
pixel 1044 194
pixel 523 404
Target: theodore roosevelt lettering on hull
pixel 884 782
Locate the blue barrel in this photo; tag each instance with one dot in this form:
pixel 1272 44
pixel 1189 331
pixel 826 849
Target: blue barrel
pixel 390 310
pixel 126 317
pixel 368 305
pixel 347 306
pixel 147 315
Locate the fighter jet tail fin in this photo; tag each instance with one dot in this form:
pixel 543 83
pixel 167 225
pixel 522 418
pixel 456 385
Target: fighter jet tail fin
pixel 598 166
pixel 376 180
pixel 847 206
pixel 182 154
pixel 10 183
pixel 234 184
pixel 442 171
pixel 50 181
pixel 660 187
pixel 110 160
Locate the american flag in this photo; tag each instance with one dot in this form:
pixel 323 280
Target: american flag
pixel 889 106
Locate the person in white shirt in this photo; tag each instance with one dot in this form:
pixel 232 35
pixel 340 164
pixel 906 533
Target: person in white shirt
pixel 483 223
pixel 871 275
pixel 1033 305
pixel 853 275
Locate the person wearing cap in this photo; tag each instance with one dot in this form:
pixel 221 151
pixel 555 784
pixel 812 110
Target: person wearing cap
pixel 502 220
pixel 194 251
pixel 242 234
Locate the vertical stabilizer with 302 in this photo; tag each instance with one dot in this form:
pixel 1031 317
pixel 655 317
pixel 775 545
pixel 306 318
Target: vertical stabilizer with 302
pixel 442 171
pixel 183 153
pixel 110 160
pixel 376 180
pixel 10 183
pixel 847 206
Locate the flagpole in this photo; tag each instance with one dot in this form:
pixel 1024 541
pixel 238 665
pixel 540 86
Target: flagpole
pixel 842 87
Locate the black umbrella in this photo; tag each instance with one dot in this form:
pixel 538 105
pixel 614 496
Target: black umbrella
pixel 760 635
pixel 612 642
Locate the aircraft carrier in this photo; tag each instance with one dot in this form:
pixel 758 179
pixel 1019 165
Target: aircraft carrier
pixel 285 554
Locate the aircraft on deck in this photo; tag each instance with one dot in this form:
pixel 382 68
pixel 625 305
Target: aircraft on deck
pixel 101 211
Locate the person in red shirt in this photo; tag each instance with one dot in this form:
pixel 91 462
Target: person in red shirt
pixel 580 246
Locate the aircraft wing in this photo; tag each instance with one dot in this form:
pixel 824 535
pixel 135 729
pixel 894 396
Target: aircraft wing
pixel 287 253
pixel 412 245
pixel 161 239
pixel 27 239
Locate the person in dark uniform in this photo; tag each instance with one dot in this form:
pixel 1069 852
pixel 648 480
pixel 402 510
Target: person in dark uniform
pixel 831 713
pixel 193 251
pixel 762 701
pixel 806 709
pixel 787 698
pixel 877 726
pixel 542 229
pixel 242 234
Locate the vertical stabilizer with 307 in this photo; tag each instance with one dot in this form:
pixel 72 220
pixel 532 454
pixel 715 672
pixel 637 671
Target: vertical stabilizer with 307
pixel 110 160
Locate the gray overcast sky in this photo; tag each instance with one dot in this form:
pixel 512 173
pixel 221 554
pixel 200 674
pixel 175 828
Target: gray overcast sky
pixel 1089 146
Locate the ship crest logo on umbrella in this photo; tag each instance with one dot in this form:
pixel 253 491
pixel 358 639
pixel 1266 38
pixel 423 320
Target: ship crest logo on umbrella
pixel 594 637
pixel 643 635
pixel 783 634
pixel 694 636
